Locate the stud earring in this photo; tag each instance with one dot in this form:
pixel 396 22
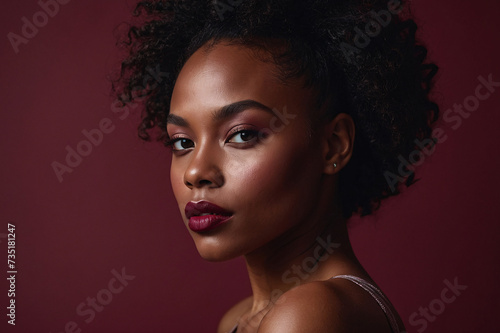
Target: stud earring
pixel 334 165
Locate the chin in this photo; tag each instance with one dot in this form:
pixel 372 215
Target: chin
pixel 211 251
pixel 216 257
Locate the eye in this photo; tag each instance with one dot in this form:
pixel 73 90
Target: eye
pixel 180 144
pixel 243 136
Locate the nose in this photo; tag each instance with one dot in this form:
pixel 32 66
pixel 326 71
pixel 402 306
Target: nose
pixel 203 170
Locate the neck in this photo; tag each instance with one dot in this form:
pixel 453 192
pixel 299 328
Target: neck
pixel 302 255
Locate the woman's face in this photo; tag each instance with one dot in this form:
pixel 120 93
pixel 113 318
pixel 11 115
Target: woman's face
pixel 241 141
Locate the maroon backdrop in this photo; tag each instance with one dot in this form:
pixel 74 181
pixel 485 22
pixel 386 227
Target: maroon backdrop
pixel 110 230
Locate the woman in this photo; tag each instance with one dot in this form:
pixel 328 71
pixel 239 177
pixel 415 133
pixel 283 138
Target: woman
pixel 284 118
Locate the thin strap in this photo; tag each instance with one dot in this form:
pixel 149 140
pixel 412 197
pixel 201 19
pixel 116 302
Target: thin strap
pixel 233 330
pixel 377 295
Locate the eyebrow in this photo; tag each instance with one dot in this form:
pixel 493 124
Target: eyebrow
pixel 176 120
pixel 237 107
pixel 224 112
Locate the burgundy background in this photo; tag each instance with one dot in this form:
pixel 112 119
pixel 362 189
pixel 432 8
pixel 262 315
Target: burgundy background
pixel 116 208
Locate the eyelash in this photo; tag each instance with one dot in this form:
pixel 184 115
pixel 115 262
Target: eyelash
pixel 170 143
pixel 239 130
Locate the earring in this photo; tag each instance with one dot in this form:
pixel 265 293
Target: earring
pixel 334 165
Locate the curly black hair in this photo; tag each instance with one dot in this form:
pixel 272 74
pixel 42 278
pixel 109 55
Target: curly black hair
pixel 361 56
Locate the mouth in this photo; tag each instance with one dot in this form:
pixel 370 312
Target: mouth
pixel 204 215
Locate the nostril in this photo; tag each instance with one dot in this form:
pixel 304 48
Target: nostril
pixel 199 183
pixel 195 177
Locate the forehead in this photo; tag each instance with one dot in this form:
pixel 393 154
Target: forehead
pixel 222 74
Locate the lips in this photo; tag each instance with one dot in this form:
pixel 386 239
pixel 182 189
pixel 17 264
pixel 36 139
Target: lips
pixel 204 216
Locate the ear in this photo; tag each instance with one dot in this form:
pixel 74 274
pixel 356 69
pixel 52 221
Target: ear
pixel 338 141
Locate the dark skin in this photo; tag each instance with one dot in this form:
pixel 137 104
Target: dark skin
pixel 278 176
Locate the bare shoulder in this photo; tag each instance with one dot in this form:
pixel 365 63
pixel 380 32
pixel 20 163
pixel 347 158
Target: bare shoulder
pixel 333 306
pixel 311 307
pixel 231 317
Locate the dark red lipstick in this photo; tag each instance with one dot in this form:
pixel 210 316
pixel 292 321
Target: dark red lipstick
pixel 204 215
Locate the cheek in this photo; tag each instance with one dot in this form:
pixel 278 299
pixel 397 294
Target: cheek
pixel 177 180
pixel 273 175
